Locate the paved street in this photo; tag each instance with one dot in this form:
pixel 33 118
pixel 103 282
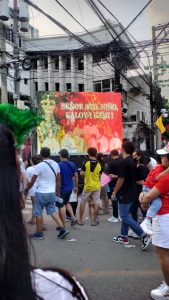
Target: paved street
pixel 108 270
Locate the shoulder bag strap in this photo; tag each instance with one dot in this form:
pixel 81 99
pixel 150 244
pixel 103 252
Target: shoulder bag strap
pixel 50 167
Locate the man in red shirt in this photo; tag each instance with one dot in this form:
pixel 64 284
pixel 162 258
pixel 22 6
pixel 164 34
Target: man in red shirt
pixel 160 227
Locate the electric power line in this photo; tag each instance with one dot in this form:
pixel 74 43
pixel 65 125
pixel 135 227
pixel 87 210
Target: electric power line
pixel 69 32
pixel 107 24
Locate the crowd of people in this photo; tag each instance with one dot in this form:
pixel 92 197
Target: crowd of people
pixel 136 184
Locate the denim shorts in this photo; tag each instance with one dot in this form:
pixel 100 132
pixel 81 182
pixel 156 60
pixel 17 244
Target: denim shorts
pixel 44 200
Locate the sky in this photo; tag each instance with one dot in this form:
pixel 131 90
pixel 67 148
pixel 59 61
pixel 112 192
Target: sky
pixel 124 10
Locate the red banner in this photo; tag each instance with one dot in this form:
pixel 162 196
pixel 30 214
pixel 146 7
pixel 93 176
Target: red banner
pixel 79 120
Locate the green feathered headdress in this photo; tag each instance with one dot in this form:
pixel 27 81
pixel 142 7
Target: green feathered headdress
pixel 18 121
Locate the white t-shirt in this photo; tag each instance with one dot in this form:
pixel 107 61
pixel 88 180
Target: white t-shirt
pixel 46 177
pixel 51 285
pixel 29 173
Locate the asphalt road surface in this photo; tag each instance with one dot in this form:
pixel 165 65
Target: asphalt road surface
pixel 107 270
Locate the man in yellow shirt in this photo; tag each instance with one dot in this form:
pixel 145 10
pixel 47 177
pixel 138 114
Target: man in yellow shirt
pixel 91 171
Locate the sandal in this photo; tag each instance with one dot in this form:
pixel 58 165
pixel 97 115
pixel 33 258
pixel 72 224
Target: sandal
pixel 80 223
pixel 95 224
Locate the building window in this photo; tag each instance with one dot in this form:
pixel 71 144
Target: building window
pixel 45 63
pixel 68 87
pixel 143 117
pixel 133 118
pixel 57 87
pixel 96 58
pixel 36 86
pixel 67 63
pixel 104 56
pixel 97 86
pixel 81 87
pixel 113 85
pixel 80 63
pixel 20 42
pixel 56 63
pixel 106 85
pixel 9 35
pixel 25 81
pixel 34 63
pixel 46 86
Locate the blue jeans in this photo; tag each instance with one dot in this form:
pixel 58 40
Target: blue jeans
pixel 128 221
pixel 154 206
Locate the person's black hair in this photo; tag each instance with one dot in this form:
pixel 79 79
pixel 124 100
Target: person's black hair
pixel 100 156
pixel 158 158
pixel 92 151
pixel 36 159
pixel 64 153
pixel 128 147
pixel 45 152
pixel 142 159
pixel 15 269
pixel 114 152
pixel 29 163
pixel 15 277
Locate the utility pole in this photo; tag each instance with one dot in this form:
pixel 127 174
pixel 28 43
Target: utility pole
pixel 4 90
pixel 154 54
pixel 155 71
pixel 151 114
pixel 16 54
pixel 18 14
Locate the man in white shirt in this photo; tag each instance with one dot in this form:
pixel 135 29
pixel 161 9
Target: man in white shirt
pixel 48 174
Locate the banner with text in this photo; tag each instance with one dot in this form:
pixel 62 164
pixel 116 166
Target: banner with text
pixel 79 120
